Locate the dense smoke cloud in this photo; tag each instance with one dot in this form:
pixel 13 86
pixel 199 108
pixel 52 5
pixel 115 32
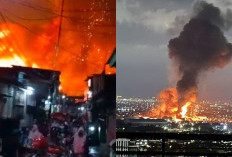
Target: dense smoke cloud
pixel 200 47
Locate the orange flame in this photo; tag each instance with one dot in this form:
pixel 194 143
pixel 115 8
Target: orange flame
pixel 11 58
pixel 168 105
pixel 87 41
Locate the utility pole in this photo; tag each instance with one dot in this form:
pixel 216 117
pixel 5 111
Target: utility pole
pixel 59 35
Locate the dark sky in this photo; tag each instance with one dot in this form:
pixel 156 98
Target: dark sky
pixel 143 32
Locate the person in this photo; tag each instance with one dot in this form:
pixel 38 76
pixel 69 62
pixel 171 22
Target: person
pixel 55 123
pixel 34 132
pixel 54 136
pixel 74 126
pixel 66 127
pixel 79 142
pixel 43 127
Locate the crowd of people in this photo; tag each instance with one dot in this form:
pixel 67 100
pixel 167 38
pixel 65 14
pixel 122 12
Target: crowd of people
pixel 66 137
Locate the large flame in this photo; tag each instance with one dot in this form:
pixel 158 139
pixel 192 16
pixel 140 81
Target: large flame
pixel 8 56
pixel 15 60
pixel 87 39
pixel 184 109
pixel 169 106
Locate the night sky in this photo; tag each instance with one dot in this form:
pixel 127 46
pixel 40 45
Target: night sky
pixel 143 31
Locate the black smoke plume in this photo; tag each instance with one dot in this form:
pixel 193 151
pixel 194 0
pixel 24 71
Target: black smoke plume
pixel 200 47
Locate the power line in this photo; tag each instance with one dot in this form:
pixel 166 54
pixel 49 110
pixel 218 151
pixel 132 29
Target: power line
pixel 29 19
pixel 28 29
pixel 77 55
pixel 38 9
pixel 59 35
pixel 65 10
pixel 50 11
pixel 36 34
pixel 59 15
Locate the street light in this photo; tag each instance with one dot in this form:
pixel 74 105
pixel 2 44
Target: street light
pixel 47 102
pixel 82 108
pixel 92 128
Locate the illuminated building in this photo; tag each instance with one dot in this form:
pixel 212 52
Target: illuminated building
pixel 28 90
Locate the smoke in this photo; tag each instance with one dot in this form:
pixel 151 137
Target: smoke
pixel 200 47
pixel 177 25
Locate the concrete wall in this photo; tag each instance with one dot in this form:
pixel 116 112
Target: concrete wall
pixel 7 106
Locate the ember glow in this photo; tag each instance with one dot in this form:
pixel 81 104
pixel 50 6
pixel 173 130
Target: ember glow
pixel 87 39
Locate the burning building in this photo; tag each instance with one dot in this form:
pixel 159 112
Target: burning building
pixel 74 37
pixel 201 47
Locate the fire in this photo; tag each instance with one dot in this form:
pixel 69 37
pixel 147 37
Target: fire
pixel 169 105
pixel 15 60
pixel 34 65
pixel 185 109
pixel 87 40
pixel 8 56
pixel 199 118
pixel 4 33
pixel 110 70
pixel 178 120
